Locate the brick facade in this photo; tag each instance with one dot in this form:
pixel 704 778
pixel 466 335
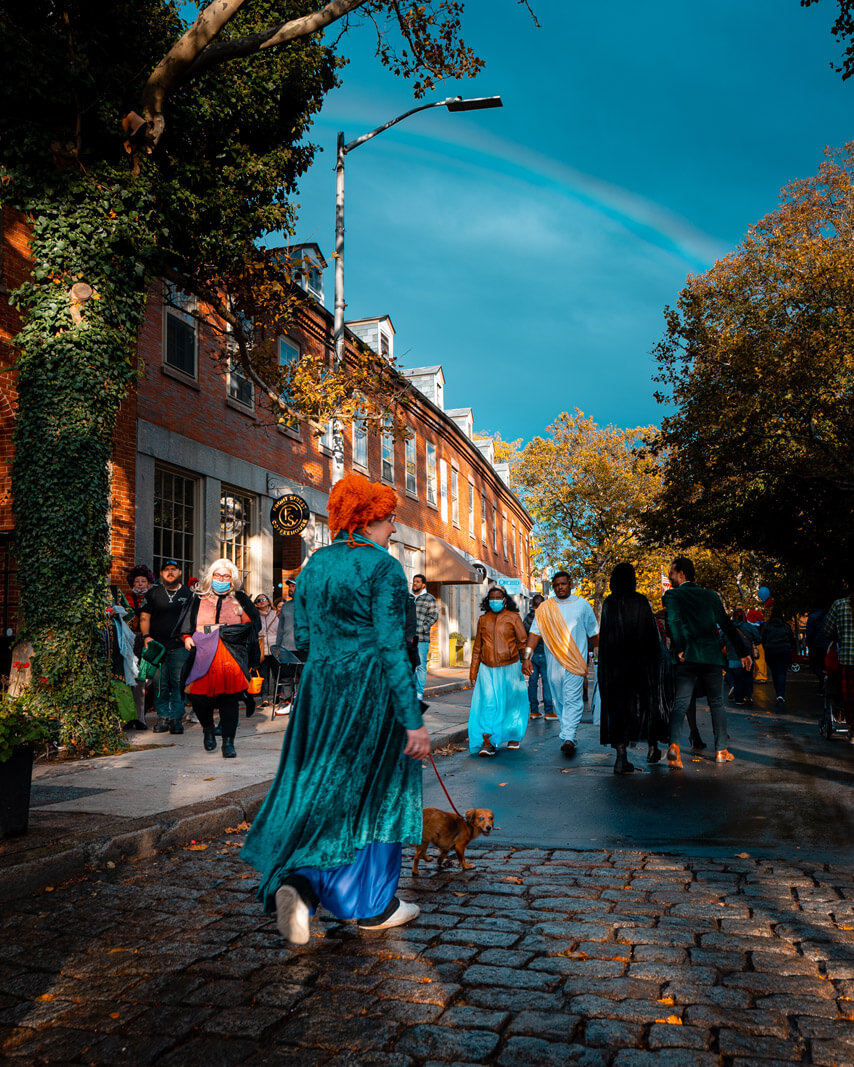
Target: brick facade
pixel 186 427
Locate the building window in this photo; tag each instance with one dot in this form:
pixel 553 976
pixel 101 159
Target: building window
pixel 513 543
pixel 411 467
pixel 443 490
pixel 455 497
pixel 483 517
pixel 504 533
pixel 235 530
pixel 471 509
pixel 411 560
pixel 174 520
pixel 431 474
pixel 239 387
pixel 321 534
pixel 387 454
pixel 360 443
pixel 494 529
pixel 288 353
pixel 179 345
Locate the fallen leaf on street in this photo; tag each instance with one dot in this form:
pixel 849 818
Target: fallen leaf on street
pixel 48 889
pixel 196 848
pixel 566 770
pixel 241 826
pixel 502 783
pixel 213 779
pixel 742 855
pixel 518 881
pixel 669 1001
pixel 674 1020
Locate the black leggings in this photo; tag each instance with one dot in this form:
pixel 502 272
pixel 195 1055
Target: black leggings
pixel 228 712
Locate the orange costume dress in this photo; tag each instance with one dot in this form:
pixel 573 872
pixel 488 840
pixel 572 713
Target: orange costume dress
pixel 224 675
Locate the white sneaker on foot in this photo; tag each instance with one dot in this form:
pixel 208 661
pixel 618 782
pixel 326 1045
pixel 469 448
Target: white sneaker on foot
pixel 283 709
pixel 403 913
pixel 292 915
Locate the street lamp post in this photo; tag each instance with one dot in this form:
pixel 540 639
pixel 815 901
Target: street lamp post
pixel 452 103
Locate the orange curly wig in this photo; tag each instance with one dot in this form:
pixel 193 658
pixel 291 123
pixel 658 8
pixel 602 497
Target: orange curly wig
pixel 354 502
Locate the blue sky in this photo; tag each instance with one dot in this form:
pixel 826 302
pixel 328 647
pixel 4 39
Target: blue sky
pixel 531 250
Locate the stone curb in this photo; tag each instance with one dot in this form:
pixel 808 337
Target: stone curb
pixel 434 691
pixel 128 840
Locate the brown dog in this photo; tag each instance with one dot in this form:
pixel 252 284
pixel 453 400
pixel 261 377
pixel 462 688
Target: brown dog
pixel 447 832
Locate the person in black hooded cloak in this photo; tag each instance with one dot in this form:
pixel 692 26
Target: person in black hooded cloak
pixel 629 670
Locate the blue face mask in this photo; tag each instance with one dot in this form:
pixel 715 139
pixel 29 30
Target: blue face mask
pixel 220 587
pixel 496 605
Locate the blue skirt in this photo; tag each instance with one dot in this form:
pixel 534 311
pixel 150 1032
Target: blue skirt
pixel 362 889
pixel 499 706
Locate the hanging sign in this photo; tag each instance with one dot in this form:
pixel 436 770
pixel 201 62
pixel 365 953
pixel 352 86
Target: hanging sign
pixel 289 514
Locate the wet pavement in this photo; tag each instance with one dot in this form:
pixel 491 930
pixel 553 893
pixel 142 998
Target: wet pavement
pixel 662 918
pixel 789 792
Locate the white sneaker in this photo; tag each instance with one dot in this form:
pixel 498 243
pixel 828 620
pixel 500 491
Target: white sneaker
pixel 403 913
pixel 283 709
pixel 292 915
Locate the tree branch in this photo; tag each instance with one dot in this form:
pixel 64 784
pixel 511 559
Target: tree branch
pixel 197 51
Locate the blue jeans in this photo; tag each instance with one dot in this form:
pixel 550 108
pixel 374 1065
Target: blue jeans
pixel 686 676
pixel 421 669
pixel 778 667
pixel 169 697
pixel 539 672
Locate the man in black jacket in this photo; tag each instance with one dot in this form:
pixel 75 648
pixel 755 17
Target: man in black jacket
pixel 159 613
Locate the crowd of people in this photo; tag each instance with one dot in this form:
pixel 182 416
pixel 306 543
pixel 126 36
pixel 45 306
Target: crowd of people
pixel 205 643
pixel 349 645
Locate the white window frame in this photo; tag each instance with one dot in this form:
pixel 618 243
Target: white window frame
pixel 494 529
pixel 411 465
pixel 228 546
pixel 504 533
pixel 173 295
pixel 387 455
pixel 321 536
pixel 291 425
pixel 484 532
pixel 471 510
pixel 443 490
pixel 360 443
pixel 432 475
pixel 455 497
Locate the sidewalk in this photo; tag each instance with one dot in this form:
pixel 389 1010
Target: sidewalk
pixel 166 791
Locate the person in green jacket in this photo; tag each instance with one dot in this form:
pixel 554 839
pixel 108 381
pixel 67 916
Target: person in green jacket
pixel 694 615
pixel 347 793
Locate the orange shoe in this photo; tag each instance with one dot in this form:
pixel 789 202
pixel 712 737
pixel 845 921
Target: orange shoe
pixel 673 757
pixel 723 756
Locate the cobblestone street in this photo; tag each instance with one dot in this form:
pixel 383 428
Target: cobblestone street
pixel 534 957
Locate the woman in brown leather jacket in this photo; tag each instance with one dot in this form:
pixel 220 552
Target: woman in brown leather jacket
pixel 499 705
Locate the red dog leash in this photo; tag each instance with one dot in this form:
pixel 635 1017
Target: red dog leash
pixel 442 784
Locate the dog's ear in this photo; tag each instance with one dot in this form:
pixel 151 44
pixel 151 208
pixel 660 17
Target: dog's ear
pixel 470 815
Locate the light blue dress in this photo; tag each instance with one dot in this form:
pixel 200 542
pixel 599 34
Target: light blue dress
pixel 499 703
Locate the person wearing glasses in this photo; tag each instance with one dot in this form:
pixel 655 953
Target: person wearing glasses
pixel 347 794
pixel 220 630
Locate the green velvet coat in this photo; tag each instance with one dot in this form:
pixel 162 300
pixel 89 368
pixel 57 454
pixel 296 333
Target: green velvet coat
pixel 343 781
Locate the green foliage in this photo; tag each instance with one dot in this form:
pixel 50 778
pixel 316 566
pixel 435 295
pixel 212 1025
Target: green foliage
pixel 757 364
pixel 22 723
pixel 193 202
pixel 587 487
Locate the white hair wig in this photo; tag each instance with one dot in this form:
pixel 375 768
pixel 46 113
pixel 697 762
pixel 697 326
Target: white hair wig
pixel 204 586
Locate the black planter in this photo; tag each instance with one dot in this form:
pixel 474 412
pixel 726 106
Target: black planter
pixel 16 776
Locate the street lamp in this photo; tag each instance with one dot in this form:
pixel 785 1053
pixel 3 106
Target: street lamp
pixel 452 103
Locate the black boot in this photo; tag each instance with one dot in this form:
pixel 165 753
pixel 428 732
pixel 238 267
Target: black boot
pixel 228 751
pixel 210 741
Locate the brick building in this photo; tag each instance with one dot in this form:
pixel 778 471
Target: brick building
pixel 197 465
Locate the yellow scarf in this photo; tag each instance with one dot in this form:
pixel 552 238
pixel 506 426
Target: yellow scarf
pixel 558 639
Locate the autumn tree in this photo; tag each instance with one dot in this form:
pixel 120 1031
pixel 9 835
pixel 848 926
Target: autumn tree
pixel 757 370
pixel 138 147
pixel 843 31
pixel 587 487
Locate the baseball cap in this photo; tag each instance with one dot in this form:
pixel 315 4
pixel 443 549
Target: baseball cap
pixel 170 563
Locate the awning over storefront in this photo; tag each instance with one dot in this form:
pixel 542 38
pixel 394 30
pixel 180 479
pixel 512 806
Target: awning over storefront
pixel 446 566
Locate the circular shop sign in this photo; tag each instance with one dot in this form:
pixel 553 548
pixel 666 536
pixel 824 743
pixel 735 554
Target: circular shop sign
pixel 289 514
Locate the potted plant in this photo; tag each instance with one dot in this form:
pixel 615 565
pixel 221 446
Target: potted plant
pixel 20 729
